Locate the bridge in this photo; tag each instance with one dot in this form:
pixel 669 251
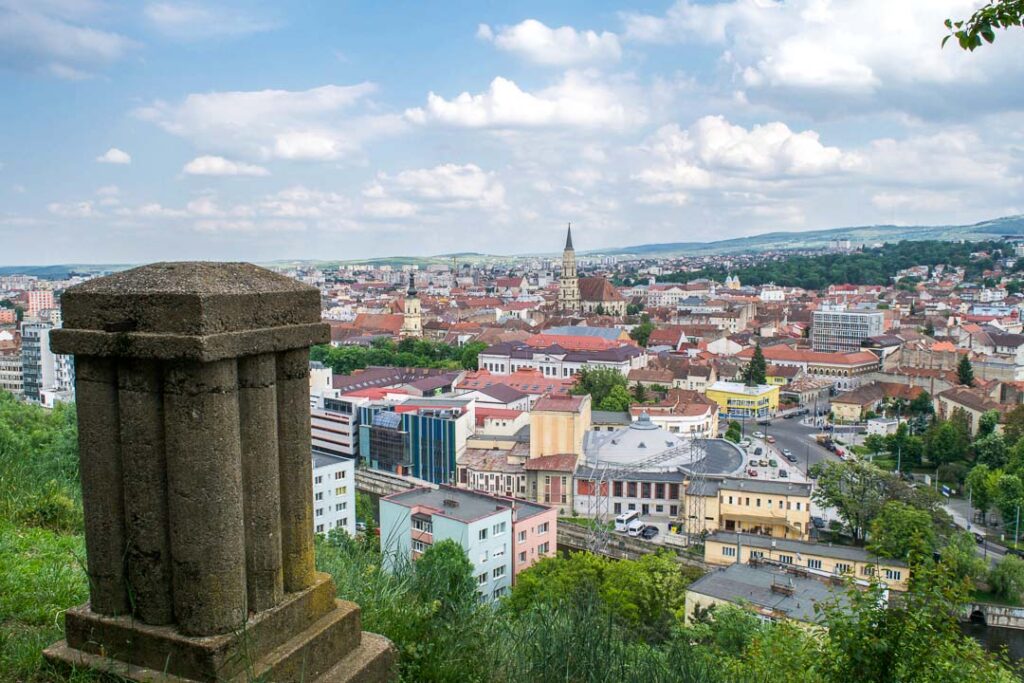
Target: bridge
pixel 986 613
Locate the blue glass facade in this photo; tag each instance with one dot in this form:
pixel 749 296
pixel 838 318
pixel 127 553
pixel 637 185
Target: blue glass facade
pixel 421 444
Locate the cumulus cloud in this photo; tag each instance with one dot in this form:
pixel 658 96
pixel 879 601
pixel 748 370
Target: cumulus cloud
pixel 202 21
pixel 219 166
pixel 578 100
pixel 848 49
pixel 565 46
pixel 54 38
pixel 447 186
pixel 85 209
pixel 316 124
pixel 114 156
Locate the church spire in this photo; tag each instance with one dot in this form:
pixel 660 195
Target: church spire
pixel 412 284
pixel 568 239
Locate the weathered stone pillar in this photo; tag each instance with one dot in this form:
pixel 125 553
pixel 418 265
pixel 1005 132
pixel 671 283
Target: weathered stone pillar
pixel 194 439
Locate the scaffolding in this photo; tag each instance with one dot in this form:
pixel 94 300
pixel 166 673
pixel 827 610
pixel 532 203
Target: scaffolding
pixel 603 473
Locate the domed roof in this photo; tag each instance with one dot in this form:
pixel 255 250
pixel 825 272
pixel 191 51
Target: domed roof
pixel 641 440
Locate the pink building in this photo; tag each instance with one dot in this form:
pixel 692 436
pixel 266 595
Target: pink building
pixel 534 533
pixel 40 300
pixel 6 315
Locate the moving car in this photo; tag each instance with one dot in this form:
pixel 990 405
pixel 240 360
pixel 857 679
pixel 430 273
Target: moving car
pixel 770 438
pixel 786 451
pixel 649 532
pixel 790 457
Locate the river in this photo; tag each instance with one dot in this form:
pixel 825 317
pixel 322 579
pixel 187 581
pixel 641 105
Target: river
pixel 995 638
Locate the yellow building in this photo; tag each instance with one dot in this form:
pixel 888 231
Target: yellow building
pixel 769 508
pixel 738 401
pixel 840 560
pixel 557 425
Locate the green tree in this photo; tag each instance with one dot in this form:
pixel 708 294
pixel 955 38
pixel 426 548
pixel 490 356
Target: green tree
pixel 617 400
pixel 470 354
pixel 756 370
pixel 1007 578
pixel 983 24
pixel 1009 497
pixel 981 485
pixel 965 372
pixel 875 443
pixel 987 422
pixel 641 334
pixel 634 308
pixel 900 531
pixel 444 574
pixel 1013 425
pixel 943 442
pixel 734 432
pixel 599 383
pixel 991 450
pixel 640 392
pixel 961 557
pixel 922 404
pixel 856 490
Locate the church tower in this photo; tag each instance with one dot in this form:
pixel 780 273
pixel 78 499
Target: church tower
pixel 569 284
pixel 412 322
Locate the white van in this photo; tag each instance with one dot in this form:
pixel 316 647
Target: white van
pixel 622 521
pixel 635 527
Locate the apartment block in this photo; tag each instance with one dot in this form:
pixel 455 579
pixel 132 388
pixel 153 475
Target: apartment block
pixel 836 329
pixel 334 494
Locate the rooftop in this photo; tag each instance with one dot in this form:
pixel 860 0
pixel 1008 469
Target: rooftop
pixel 469 506
pixel 839 552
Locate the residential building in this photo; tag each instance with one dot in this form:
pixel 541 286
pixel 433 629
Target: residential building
pixel 722 548
pixel 39 300
pixel 334 494
pixel 555 361
pixel 772 592
pixel 549 480
pixel 10 372
pixel 973 401
pixel 483 525
pixel 534 534
pixel 37 362
pixel 833 328
pixel 682 412
pixel 844 371
pixel 738 401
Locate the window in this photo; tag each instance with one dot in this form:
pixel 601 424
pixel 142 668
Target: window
pixel 673 491
pixel 673 510
pixel 338 507
pixel 617 489
pixel 786 559
pixel 645 490
pixel 728 551
pixel 659 490
pixel 424 525
pixel 340 474
pixel 482 535
pixel 617 508
pixel 798 506
pixel 318 480
pixel 893 574
pixel 542 549
pixel 659 508
pixel 419 546
pixel 498 529
pixel 756 554
pixel 498 592
pixel 343 522
pixel 498 572
pixel 842 568
pixel 814 564
pixel 319 495
pixel 481 579
pixel 522 556
pixel 521 537
pixel 341 490
pixel 542 528
pixel 730 500
pixel 867 570
pixel 499 552
pixel 319 512
pixel 319 528
pixel 758 501
pixel 631 489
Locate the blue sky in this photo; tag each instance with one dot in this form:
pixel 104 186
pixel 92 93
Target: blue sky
pixel 143 131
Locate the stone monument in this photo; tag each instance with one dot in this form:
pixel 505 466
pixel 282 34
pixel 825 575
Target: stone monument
pixel 194 439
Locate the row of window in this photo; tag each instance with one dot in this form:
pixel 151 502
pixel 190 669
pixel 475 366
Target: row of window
pixel 839 568
pixel 745 500
pixel 340 474
pixel 338 507
pixel 342 523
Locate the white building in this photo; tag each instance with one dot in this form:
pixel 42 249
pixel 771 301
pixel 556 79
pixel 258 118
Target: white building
pixel 772 292
pixel 334 494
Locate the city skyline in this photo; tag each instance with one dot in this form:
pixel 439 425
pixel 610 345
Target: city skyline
pixel 168 130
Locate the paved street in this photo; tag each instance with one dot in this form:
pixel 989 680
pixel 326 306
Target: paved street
pixel 797 437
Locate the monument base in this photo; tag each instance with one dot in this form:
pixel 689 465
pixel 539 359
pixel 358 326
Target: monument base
pixel 310 636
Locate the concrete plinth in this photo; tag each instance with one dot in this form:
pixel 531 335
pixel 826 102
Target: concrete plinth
pixel 194 440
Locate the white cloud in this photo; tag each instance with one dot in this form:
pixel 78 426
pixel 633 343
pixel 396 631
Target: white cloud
pixel 916 200
pixel 565 46
pixel 314 124
pixel 51 37
pixel 848 48
pixel 447 185
pixel 578 100
pixel 108 191
pixel 201 21
pixel 84 209
pixel 219 166
pixel 714 152
pixel 114 156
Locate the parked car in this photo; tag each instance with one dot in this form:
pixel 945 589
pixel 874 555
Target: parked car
pixel 744 443
pixel 818 522
pixel 762 463
pixel 649 532
pixel 752 473
pixel 758 451
pixel 786 451
pixel 770 438
pixel 783 474
pixel 635 527
pixel 758 435
pixel 773 463
pixel 753 462
pixel 787 416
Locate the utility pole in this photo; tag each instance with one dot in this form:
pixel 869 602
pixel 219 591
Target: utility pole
pixel 1016 530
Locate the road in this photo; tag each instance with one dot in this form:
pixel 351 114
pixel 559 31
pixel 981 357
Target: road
pixel 798 438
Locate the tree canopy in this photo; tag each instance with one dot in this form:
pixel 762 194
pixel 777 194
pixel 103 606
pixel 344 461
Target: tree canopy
pixel 983 24
pixel 755 372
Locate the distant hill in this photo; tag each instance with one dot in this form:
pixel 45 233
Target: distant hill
pixel 813 239
pixel 60 272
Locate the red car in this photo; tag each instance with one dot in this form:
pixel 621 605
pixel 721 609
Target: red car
pixel 752 472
